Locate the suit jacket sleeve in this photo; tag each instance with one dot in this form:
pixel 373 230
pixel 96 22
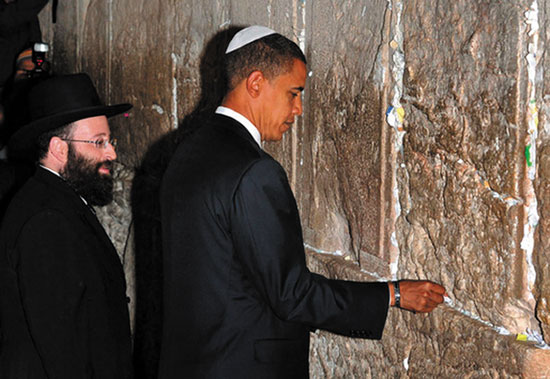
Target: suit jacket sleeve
pixel 52 293
pixel 267 235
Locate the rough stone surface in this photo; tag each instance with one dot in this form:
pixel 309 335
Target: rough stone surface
pixel 542 255
pixel 463 145
pixel 449 201
pixel 340 193
pixel 443 344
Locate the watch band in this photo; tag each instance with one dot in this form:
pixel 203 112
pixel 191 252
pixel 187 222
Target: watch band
pixel 397 294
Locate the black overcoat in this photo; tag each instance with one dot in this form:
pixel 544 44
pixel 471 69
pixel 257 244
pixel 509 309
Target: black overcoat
pixel 239 301
pixel 63 307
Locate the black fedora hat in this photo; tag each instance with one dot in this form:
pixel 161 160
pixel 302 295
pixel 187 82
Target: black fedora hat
pixel 58 101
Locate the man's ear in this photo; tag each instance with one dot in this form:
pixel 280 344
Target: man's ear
pixel 254 83
pixel 59 149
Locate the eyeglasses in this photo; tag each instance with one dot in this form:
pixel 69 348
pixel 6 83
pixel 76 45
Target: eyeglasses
pixel 100 143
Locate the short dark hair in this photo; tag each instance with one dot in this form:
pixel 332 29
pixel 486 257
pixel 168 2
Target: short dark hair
pixel 273 55
pixel 43 141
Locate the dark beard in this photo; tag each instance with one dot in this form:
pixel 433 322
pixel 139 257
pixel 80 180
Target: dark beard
pixel 83 176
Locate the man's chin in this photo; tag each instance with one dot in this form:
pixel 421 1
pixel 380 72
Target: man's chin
pixel 274 138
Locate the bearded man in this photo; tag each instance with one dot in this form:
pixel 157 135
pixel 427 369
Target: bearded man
pixel 63 304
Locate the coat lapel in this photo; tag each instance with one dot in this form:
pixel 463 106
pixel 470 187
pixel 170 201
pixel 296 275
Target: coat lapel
pixel 107 256
pixel 237 128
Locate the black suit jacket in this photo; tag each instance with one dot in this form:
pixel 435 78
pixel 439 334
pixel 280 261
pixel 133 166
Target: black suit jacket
pixel 63 308
pixel 239 301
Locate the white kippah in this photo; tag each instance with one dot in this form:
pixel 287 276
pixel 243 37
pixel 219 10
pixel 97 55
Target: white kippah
pixel 247 35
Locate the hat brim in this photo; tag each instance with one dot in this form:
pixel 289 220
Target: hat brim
pixel 25 138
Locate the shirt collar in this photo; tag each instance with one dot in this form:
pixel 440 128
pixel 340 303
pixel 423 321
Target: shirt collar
pixel 50 170
pixel 243 121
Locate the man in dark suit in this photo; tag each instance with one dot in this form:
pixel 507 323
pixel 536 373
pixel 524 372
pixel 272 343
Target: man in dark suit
pixel 63 304
pixel 239 301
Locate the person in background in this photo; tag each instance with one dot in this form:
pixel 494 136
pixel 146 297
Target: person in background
pixel 239 301
pixel 19 28
pixel 16 167
pixel 63 304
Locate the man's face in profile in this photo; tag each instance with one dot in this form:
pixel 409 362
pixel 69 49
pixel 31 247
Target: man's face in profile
pixel 88 167
pixel 282 102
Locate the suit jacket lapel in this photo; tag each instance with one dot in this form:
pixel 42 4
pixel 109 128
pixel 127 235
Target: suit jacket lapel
pixel 237 128
pixel 108 256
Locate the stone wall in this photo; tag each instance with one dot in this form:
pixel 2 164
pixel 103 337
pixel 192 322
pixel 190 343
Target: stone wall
pixel 423 152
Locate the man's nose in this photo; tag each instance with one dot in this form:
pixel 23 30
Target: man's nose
pixel 297 110
pixel 110 153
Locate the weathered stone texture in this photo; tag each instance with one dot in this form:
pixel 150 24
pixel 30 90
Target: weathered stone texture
pixel 464 145
pixel 449 204
pixel 338 157
pixel 443 344
pixel 542 255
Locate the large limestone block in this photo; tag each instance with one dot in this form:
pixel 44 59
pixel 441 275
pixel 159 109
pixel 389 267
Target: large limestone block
pixel 463 181
pixel 144 51
pixel 542 251
pixel 334 154
pixel 63 35
pixel 542 256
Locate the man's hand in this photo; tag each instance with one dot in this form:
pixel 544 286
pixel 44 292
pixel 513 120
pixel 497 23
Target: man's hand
pixel 418 295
